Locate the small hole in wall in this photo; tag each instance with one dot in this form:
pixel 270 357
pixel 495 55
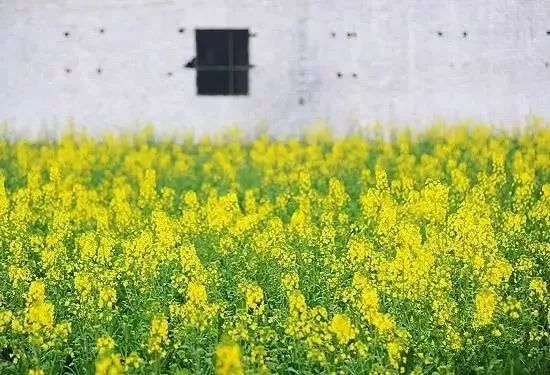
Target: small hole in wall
pixel 354 75
pixel 301 101
pixel 68 70
pixel 333 34
pixel 547 64
pixel 181 30
pixel 169 74
pixel 339 75
pixel 548 32
pixel 465 34
pixel 252 35
pixel 440 33
pixel 99 71
pixel 67 34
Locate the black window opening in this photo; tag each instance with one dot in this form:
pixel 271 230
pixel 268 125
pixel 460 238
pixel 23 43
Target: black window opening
pixel 222 61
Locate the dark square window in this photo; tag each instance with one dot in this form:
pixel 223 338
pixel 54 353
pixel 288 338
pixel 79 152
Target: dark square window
pixel 212 48
pixel 240 47
pixel 212 82
pixel 222 62
pixel 240 81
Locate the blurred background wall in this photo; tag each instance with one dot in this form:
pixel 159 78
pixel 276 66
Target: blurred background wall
pixel 118 64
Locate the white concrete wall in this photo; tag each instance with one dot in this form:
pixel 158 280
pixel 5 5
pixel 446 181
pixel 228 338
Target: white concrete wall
pixel 406 72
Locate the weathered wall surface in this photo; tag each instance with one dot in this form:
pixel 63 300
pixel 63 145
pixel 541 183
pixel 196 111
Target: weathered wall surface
pixel 410 62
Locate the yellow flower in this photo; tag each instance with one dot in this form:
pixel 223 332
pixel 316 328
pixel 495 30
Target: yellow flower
pixel 512 306
pixel 83 286
pixel 290 281
pixel 18 274
pixel 394 229
pixel 254 298
pixel 369 299
pixel 107 297
pixel 158 336
pixel 485 306
pixel 147 188
pixel 196 293
pixel 62 330
pixel 297 303
pixel 133 361
pixel 36 293
pixel 105 344
pixel 454 339
pixel 394 353
pixel 538 288
pixel 109 365
pixel 228 360
pixel 342 328
pixel 6 317
pixel 39 317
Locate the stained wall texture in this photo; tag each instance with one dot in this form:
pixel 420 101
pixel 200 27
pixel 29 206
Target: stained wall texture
pixel 117 64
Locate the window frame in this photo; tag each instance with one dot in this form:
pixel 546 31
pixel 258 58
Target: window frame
pixel 232 69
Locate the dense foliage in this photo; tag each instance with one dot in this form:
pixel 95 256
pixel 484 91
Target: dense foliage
pixel 418 252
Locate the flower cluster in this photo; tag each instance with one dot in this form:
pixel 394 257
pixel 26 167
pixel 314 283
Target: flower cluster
pixel 378 252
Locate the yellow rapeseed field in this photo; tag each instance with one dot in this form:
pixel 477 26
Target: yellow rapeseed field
pixel 410 253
